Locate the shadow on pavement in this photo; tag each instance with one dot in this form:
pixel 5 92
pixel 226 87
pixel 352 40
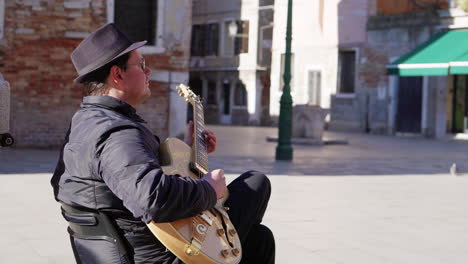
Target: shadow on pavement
pixel 324 167
pixel 26 161
pixel 245 148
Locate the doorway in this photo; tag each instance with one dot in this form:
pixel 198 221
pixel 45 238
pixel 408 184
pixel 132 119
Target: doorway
pixel 460 104
pixel 226 103
pixel 409 107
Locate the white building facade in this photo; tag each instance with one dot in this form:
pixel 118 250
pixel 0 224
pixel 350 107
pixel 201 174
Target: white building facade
pixel 325 34
pixel 229 65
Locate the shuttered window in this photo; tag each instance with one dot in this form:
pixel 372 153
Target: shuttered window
pixel 241 44
pixel 315 83
pixel 138 19
pixel 205 40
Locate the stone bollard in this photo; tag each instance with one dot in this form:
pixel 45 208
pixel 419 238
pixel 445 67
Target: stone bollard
pixel 308 122
pixel 5 138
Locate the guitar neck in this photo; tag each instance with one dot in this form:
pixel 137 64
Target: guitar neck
pixel 199 150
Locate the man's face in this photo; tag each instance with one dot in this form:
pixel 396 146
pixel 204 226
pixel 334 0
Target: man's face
pixel 135 79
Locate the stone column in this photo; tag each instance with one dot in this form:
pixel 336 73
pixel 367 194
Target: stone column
pixel 4 105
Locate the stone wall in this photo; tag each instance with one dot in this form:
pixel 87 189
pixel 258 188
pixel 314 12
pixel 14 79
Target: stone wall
pixel 344 114
pixel 388 38
pixel 366 111
pixel 35 59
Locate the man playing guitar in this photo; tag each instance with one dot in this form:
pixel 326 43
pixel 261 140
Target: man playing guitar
pixel 109 177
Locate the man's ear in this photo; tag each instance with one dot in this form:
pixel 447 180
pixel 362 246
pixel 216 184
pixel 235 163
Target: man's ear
pixel 115 74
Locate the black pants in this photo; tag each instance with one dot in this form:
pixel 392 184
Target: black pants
pixel 248 199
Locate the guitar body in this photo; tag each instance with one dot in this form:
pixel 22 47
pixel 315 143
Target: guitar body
pixel 204 239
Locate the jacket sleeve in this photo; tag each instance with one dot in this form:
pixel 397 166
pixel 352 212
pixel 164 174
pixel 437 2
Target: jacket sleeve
pixel 129 166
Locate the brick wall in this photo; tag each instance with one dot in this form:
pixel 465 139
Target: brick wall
pixel 390 37
pixel 35 59
pixel 386 7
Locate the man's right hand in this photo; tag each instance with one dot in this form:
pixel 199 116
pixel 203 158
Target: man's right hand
pixel 217 180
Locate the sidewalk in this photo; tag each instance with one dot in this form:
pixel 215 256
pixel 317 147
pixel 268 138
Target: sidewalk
pixel 378 199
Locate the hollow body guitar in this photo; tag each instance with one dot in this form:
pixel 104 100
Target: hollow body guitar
pixel 210 236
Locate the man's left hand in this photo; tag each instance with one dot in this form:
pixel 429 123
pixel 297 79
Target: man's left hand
pixel 210 138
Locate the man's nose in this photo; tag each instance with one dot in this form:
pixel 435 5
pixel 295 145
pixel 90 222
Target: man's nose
pixel 147 71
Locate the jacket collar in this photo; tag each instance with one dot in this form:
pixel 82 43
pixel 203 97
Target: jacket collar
pixel 113 104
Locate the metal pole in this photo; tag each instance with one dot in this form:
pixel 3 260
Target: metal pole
pixel 284 149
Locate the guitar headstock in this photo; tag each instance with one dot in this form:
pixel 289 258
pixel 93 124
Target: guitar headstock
pixel 189 96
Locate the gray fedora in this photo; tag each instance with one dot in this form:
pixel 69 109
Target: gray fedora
pixel 101 47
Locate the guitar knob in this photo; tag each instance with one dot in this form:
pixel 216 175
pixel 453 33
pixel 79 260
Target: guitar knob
pixel 235 252
pixel 225 253
pixel 189 251
pixel 220 232
pixel 232 232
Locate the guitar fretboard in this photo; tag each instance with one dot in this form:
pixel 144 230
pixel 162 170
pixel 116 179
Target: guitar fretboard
pixel 199 148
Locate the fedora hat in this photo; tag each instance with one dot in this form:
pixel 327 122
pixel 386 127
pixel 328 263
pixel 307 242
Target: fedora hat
pixel 101 47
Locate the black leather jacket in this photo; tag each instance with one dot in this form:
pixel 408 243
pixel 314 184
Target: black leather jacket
pixel 110 161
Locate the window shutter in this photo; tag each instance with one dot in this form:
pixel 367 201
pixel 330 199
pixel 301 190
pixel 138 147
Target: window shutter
pixel 241 44
pixel 315 87
pixel 245 37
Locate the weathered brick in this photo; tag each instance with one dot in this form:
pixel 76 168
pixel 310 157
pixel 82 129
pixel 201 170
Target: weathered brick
pixel 35 59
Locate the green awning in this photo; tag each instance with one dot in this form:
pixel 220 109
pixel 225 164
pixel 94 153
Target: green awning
pixel 444 53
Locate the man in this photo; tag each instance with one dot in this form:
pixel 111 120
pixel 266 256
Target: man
pixel 108 177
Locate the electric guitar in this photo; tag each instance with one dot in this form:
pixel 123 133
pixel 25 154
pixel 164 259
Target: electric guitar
pixel 209 237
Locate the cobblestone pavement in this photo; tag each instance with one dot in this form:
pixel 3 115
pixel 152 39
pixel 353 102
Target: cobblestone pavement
pixel 377 199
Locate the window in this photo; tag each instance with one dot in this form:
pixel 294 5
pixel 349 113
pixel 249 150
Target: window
pixel 228 40
pixel 211 93
pixel 140 20
pixel 2 17
pixel 315 84
pixel 137 19
pixel 205 40
pixel 346 71
pixel 265 45
pixel 212 39
pixel 282 72
pixel 236 37
pixel 196 48
pixel 240 94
